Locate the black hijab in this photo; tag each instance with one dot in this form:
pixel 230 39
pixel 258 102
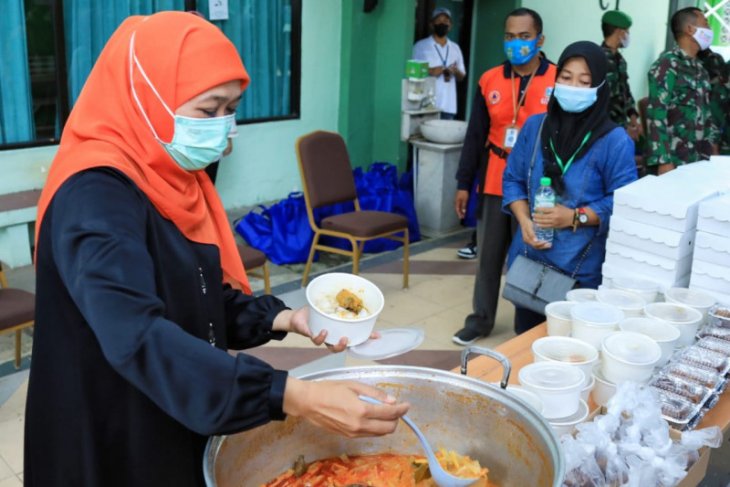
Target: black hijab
pixel 567 130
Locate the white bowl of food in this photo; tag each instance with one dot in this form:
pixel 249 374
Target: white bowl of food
pixel 558 386
pixel 649 290
pixel 593 321
pixel 603 390
pixel 630 303
pixel 566 350
pixel 566 426
pixel 558 318
pixel 693 298
pixel 345 305
pixel 444 131
pixel 581 295
pixel 628 356
pixel 665 334
pixel 687 319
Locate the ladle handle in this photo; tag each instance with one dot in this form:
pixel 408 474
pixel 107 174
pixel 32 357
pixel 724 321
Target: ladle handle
pixel 506 365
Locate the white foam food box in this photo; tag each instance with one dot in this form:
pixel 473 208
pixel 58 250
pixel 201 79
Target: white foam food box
pixel 610 272
pixel 649 238
pixel 712 248
pixel 672 200
pixel 648 265
pixel 714 216
pixel 710 276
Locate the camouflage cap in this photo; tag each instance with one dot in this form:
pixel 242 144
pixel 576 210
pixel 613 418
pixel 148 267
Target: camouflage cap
pixel 616 18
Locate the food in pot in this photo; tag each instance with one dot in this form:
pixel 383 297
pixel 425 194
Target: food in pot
pixel 345 304
pixel 381 470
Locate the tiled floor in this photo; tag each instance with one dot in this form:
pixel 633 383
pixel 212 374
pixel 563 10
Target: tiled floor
pixel 438 299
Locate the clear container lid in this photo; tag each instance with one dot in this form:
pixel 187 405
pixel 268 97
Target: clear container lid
pixel 551 376
pixel 621 299
pixel 654 328
pixel 392 342
pixel 673 312
pixel 598 314
pixel 632 347
pixel 581 295
pixel 690 297
pixel 634 284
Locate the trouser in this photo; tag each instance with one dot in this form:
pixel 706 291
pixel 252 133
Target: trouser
pixel 494 235
pixel 526 319
pixel 447 116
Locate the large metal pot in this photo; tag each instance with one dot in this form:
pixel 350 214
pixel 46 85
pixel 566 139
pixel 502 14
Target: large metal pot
pixel 455 412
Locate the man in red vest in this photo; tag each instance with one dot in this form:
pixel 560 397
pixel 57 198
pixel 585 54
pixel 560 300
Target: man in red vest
pixel 507 95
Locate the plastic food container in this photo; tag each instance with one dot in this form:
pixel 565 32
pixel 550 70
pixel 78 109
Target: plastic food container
pixel 558 386
pixel 691 391
pixel 604 389
pixel 706 378
pixel 719 316
pixel 528 397
pixel 698 300
pixel 586 391
pixel 687 319
pixel 703 358
pixel 566 426
pixel 714 344
pixel 679 413
pixel 581 295
pixel 631 304
pixel 649 290
pixel 357 330
pixel 665 334
pixel 629 356
pixel 559 322
pixel 566 350
pixel 592 322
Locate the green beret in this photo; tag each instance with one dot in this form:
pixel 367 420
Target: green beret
pixel 617 18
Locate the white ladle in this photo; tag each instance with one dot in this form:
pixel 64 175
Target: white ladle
pixel 439 475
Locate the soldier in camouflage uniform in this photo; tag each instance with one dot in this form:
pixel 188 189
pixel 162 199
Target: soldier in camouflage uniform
pixel 680 124
pixel 622 109
pixel 719 73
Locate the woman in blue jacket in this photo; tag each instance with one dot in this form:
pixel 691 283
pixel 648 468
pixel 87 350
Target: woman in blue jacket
pixel 586 156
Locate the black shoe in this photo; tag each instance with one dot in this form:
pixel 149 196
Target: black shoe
pixel 465 337
pixel 468 252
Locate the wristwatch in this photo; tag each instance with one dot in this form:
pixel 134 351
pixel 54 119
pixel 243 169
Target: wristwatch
pixel 582 215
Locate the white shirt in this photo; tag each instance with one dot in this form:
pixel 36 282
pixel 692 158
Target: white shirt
pixel 437 55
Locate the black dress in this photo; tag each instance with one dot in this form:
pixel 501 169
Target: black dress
pixel 130 372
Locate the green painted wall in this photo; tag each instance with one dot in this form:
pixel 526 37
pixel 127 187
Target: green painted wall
pixel 375 47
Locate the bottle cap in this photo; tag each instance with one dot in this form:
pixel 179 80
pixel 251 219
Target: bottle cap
pixel 545 181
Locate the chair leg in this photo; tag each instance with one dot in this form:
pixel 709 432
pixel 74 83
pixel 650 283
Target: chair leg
pixel 406 258
pixel 17 348
pixel 355 256
pixel 310 259
pixel 267 281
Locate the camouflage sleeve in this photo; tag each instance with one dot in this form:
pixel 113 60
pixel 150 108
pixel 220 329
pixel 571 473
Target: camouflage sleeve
pixel 661 82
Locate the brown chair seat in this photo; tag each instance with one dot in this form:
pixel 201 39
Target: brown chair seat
pixel 16 307
pixel 365 223
pixel 251 257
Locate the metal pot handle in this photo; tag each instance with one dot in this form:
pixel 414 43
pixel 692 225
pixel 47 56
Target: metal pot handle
pixel 506 366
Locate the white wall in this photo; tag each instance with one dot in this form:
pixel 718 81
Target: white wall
pixel 567 21
pixel 263 166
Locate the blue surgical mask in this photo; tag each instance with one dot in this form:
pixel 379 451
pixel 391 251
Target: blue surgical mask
pixel 575 99
pixel 196 142
pixel 521 52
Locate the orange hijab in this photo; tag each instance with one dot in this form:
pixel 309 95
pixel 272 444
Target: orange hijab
pixel 183 56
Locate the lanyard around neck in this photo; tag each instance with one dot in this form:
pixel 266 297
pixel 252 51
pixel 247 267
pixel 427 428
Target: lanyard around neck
pixel 444 60
pixel 565 166
pixel 516 105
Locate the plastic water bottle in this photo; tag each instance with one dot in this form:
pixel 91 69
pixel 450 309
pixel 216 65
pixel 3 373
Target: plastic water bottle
pixel 544 198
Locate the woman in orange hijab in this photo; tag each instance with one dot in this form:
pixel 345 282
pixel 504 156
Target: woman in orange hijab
pixel 139 284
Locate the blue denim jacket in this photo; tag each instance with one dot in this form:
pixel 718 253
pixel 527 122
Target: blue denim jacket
pixel 590 181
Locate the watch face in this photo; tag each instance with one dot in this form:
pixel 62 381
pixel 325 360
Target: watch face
pixel 583 218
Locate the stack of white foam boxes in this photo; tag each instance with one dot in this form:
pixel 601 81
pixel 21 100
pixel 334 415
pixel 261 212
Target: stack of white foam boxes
pixel 711 262
pixel 653 226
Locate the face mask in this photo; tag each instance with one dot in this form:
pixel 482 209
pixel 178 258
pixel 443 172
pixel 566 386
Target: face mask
pixel 521 52
pixel 196 142
pixel 441 29
pixel 704 37
pixel 575 99
pixel 626 40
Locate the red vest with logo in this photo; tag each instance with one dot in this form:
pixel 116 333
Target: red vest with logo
pixel 497 91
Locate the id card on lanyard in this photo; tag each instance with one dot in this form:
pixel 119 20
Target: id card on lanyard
pixel 510 135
